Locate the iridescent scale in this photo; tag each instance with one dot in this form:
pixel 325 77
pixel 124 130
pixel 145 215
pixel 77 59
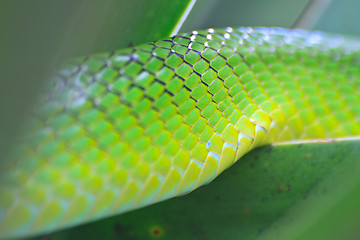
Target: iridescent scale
pixel 121 130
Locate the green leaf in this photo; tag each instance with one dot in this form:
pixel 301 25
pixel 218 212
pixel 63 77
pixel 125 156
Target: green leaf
pixel 340 17
pixel 235 13
pixel 283 192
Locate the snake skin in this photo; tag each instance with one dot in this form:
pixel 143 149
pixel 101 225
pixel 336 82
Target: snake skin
pixel 117 131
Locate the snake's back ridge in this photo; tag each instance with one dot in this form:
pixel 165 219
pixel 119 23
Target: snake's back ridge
pixel 117 131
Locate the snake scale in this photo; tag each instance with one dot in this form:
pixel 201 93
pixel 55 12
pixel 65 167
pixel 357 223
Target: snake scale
pixel 117 131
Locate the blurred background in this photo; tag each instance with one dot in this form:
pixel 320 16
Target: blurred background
pixel 338 16
pixel 37 35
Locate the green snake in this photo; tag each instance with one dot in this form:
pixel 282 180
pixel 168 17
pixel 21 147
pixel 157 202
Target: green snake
pixel 117 131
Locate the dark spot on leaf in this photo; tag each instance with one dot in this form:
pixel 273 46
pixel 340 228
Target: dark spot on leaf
pixel 156 231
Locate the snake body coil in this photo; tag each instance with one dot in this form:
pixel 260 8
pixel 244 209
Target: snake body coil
pixel 121 130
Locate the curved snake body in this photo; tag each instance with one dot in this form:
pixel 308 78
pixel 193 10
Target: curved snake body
pixel 121 130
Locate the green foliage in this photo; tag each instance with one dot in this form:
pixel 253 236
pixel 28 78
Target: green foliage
pixel 235 13
pixel 341 16
pixel 307 191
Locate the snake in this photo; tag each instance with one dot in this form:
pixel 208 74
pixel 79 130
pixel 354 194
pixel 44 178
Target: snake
pixel 116 131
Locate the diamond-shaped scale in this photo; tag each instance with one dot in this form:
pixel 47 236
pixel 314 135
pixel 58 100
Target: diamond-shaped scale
pixel 121 130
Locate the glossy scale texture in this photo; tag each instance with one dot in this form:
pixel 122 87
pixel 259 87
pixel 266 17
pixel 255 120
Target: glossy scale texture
pixel 121 130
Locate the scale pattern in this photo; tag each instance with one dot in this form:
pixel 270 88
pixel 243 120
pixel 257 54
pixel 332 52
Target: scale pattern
pixel 121 130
